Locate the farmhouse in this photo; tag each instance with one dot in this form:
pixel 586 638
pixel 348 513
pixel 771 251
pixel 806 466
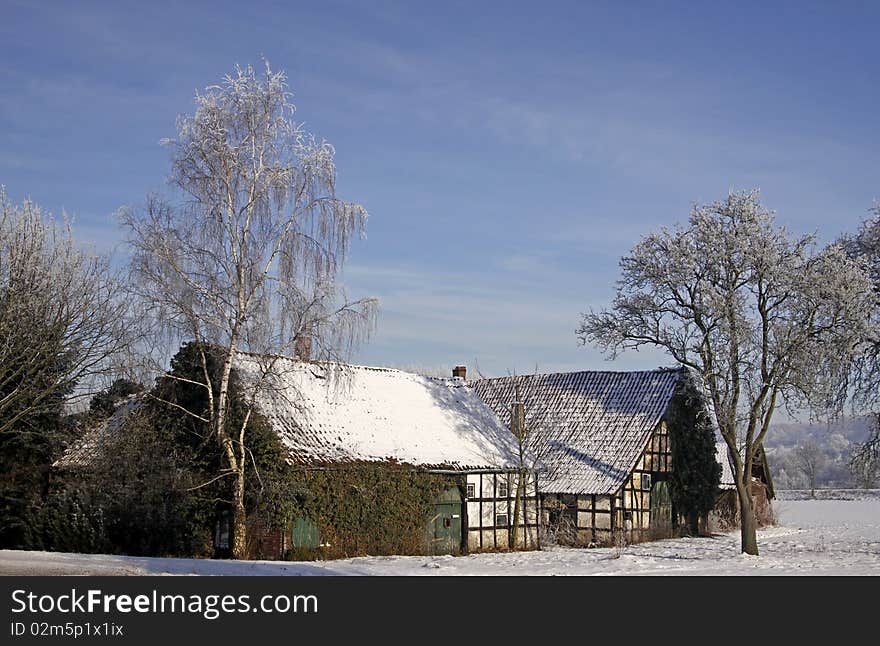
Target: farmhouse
pixel 334 417
pixel 603 443
pixel 337 420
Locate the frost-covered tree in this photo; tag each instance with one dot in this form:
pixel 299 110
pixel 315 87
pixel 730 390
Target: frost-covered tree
pixel 809 459
pixel 247 259
pixel 864 461
pixel 62 324
pixel 763 317
pixel 865 246
pixel 62 314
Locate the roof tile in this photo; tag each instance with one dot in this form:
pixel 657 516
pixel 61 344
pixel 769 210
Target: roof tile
pixel 589 427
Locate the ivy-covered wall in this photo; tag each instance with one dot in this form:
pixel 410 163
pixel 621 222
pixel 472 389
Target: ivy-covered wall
pixel 367 509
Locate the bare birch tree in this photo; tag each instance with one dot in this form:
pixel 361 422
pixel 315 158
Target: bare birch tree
pixel 62 314
pixel 248 258
pixel 762 317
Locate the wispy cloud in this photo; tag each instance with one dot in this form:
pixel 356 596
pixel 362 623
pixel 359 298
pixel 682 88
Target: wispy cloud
pixel 441 317
pixel 508 159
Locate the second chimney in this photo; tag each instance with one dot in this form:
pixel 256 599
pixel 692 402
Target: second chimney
pixel 460 371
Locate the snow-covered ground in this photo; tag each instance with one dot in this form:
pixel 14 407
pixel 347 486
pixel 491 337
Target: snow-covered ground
pixel 814 537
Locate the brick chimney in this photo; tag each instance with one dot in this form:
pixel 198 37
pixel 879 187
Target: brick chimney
pixel 302 347
pixel 460 371
pixel 518 419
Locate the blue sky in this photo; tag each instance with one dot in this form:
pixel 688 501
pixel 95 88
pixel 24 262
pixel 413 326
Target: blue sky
pixel 508 153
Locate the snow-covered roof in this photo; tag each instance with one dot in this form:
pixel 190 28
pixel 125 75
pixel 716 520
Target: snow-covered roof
pixel 83 451
pixel 332 413
pixel 593 425
pixel 722 454
pixel 761 469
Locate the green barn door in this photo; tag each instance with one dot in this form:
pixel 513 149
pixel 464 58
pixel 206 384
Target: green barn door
pixel 304 534
pixel 661 506
pixel 444 528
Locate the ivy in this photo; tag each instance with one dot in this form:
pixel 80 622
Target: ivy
pixel 368 508
pixel 696 473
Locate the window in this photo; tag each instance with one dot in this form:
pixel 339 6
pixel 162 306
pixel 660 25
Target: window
pixel 501 520
pixel 471 490
pixel 646 481
pixel 502 490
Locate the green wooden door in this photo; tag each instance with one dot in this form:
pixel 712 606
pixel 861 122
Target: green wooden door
pixel 444 527
pixel 304 534
pixel 661 506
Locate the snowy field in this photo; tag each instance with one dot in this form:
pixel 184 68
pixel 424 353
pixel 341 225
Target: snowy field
pixel 814 537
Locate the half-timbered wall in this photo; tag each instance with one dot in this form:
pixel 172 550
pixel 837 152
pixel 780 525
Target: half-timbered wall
pixel 490 504
pixel 632 505
pixel 585 519
pixel 582 519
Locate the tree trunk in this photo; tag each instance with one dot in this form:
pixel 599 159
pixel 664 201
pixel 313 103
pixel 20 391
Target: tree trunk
pixel 747 521
pixel 516 510
pixel 694 522
pixel 239 517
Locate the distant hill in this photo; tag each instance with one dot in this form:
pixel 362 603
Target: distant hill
pixel 835 442
pixel 789 435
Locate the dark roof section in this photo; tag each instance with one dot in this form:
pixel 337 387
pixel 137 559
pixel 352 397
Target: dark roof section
pixel 592 426
pixel 83 452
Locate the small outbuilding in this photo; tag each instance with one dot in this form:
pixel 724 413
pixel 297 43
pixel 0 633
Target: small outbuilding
pixel 725 516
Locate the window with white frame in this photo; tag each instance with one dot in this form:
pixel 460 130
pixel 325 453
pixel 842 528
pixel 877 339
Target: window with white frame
pixel 471 490
pixel 502 490
pixel 501 520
